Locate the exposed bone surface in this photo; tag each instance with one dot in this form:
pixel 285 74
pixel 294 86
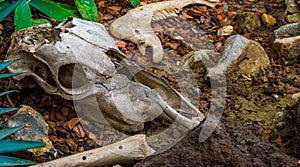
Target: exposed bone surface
pixel 128 150
pixel 79 61
pixel 135 26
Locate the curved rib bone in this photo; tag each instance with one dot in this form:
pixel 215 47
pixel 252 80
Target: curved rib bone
pixel 135 26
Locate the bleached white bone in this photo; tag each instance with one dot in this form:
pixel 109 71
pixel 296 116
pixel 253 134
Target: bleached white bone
pixel 135 26
pixel 129 150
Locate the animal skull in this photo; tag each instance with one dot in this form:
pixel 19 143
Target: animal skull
pixel 78 60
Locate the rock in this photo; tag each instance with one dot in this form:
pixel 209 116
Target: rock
pixel 247 22
pixel 293 18
pixel 225 31
pixel 240 56
pixel 292 13
pixel 268 20
pixel 229 145
pixel 288 48
pixel 36 129
pixel 202 56
pixel 292 29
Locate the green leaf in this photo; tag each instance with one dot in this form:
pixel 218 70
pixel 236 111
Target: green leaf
pixel 68 7
pixel 52 9
pixel 12 161
pixel 87 9
pixel 8 131
pixel 2 1
pixel 5 75
pixel 6 110
pixel 7 7
pixel 135 3
pixel 22 18
pixel 6 92
pixel 4 64
pixel 41 21
pixel 18 145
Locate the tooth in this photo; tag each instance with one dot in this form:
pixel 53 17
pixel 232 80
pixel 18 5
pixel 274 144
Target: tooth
pixel 174 14
pixel 165 13
pixel 160 16
pixel 141 17
pixel 154 18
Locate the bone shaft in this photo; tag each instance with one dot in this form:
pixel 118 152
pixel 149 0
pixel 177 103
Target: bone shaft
pixel 173 114
pixel 180 118
pixel 179 4
pixel 131 149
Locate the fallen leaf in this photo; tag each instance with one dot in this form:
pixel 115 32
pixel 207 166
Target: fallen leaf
pixel 267 131
pixel 108 133
pixel 231 14
pixel 121 44
pixel 70 124
pixel 79 131
pixel 186 16
pixel 116 8
pixel 279 141
pixel 65 111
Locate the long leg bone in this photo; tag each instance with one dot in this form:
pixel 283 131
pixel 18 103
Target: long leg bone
pixel 129 150
pixel 135 26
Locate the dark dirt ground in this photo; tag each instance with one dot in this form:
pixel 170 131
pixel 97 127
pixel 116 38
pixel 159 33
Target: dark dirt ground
pixel 279 80
pixel 229 145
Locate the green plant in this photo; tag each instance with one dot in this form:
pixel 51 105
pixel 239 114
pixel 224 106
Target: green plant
pixel 58 11
pixel 8 146
pixel 135 3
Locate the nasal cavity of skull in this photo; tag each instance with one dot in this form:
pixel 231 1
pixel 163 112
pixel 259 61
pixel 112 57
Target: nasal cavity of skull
pixel 68 24
pixel 72 76
pixel 43 72
pixel 29 40
pixel 31 64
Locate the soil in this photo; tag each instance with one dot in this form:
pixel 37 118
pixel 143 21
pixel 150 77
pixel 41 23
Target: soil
pixel 255 102
pixel 229 145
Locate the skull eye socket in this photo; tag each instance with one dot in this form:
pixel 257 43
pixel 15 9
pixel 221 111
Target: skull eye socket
pixel 72 76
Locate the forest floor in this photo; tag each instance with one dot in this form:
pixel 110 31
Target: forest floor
pixel 267 91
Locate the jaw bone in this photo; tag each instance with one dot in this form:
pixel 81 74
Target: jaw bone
pixel 135 26
pixel 84 64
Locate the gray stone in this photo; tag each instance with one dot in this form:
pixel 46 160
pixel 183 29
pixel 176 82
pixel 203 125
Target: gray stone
pixel 35 129
pixel 240 56
pixel 292 29
pixel 287 47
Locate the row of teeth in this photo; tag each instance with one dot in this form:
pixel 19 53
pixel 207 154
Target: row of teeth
pixel 163 14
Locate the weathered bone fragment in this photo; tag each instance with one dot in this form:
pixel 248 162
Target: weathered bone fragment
pixel 129 150
pixel 79 61
pixel 135 26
